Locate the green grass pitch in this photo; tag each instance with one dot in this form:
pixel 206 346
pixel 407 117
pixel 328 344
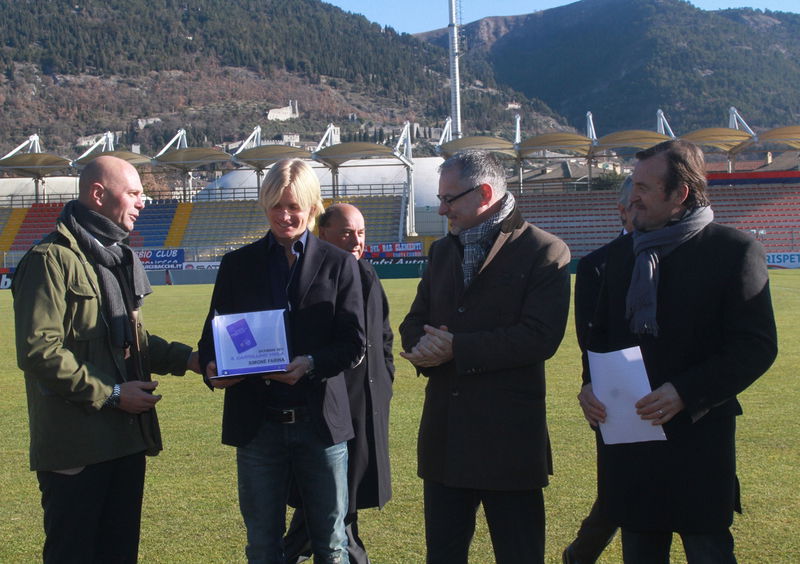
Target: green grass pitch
pixel 191 513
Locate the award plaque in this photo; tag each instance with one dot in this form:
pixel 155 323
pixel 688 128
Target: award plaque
pixel 251 343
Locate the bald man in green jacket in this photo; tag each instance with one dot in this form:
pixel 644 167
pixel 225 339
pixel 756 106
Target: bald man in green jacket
pixel 87 360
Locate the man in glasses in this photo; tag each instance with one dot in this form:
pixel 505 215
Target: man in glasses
pixel 490 309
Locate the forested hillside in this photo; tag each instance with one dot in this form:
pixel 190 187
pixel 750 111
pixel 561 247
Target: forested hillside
pixel 624 59
pixel 76 68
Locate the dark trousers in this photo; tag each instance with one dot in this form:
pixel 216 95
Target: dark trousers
pixel 653 547
pixel 94 516
pixel 297 545
pixel 593 537
pixel 515 520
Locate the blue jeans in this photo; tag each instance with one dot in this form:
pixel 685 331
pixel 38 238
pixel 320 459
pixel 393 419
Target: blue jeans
pixel 653 547
pixel 278 453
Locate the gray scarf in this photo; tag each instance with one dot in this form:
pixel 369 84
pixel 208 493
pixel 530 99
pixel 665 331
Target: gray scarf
pixel 123 280
pixel 478 240
pixel 650 247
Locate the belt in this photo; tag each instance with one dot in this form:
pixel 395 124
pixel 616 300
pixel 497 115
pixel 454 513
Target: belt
pixel 286 415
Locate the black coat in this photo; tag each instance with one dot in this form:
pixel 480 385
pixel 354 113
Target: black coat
pixel 483 423
pixel 327 323
pixel 717 335
pixel 369 386
pixel 588 279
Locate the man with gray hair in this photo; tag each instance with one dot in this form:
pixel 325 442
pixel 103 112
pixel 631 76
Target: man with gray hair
pixel 490 309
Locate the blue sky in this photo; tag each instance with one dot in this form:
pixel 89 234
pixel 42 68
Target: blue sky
pixel 413 16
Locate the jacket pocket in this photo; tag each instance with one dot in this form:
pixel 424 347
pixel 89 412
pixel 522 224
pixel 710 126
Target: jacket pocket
pixel 84 312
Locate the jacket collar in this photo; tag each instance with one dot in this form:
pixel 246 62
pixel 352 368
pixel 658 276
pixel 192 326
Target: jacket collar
pixel 72 243
pixel 513 221
pixel 508 226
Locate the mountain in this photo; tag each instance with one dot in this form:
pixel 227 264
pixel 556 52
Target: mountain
pixel 624 59
pixel 77 68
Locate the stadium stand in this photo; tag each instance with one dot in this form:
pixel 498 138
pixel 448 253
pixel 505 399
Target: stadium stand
pixel 770 211
pixel 39 221
pixel 10 220
pixel 223 224
pixel 583 220
pixel 383 216
pixel 179 222
pixel 154 223
pixel 587 220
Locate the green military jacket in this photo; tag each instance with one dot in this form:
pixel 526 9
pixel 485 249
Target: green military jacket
pixel 64 349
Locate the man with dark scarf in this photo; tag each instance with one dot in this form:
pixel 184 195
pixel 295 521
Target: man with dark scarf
pixel 87 362
pixel 492 306
pixel 694 296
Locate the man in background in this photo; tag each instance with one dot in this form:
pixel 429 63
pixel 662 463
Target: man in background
pixel 694 296
pixel 369 388
pixel 491 308
pixel 595 533
pixel 87 361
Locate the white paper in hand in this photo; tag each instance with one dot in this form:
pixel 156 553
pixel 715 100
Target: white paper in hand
pixel 619 380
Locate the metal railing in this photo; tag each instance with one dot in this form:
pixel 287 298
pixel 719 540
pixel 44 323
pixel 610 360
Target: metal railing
pixel 344 191
pixel 230 193
pixel 27 200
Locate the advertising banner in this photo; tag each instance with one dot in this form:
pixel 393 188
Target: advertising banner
pixel 399 267
pixel 6 275
pixel 783 260
pixel 201 266
pixel 162 259
pixel 392 250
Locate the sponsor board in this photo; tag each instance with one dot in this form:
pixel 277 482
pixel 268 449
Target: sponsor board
pixel 201 266
pixel 161 259
pixel 783 260
pixel 391 250
pixel 398 260
pixel 6 276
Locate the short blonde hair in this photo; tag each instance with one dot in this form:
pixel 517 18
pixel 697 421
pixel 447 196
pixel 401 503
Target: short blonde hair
pixel 297 176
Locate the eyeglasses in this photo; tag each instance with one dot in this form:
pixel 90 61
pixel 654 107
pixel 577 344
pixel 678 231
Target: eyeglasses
pixel 447 199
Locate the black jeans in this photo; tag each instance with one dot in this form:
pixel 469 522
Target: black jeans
pixel 653 547
pixel 94 516
pixel 515 520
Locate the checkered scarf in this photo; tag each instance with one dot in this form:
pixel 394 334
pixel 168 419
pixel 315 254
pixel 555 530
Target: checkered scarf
pixel 479 239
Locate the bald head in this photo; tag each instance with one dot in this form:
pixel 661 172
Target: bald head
pixel 111 187
pixel 343 225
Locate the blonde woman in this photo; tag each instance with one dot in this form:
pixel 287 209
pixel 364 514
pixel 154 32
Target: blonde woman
pixel 292 425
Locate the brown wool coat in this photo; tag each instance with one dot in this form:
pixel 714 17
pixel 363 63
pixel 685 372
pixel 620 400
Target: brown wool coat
pixel 483 423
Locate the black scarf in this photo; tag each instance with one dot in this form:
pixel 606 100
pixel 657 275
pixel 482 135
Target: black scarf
pixel 123 280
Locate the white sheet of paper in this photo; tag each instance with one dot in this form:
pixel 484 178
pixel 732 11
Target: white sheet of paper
pixel 619 380
pixel 250 343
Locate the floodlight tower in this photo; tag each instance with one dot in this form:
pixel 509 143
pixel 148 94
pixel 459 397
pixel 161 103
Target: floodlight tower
pixel 455 81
